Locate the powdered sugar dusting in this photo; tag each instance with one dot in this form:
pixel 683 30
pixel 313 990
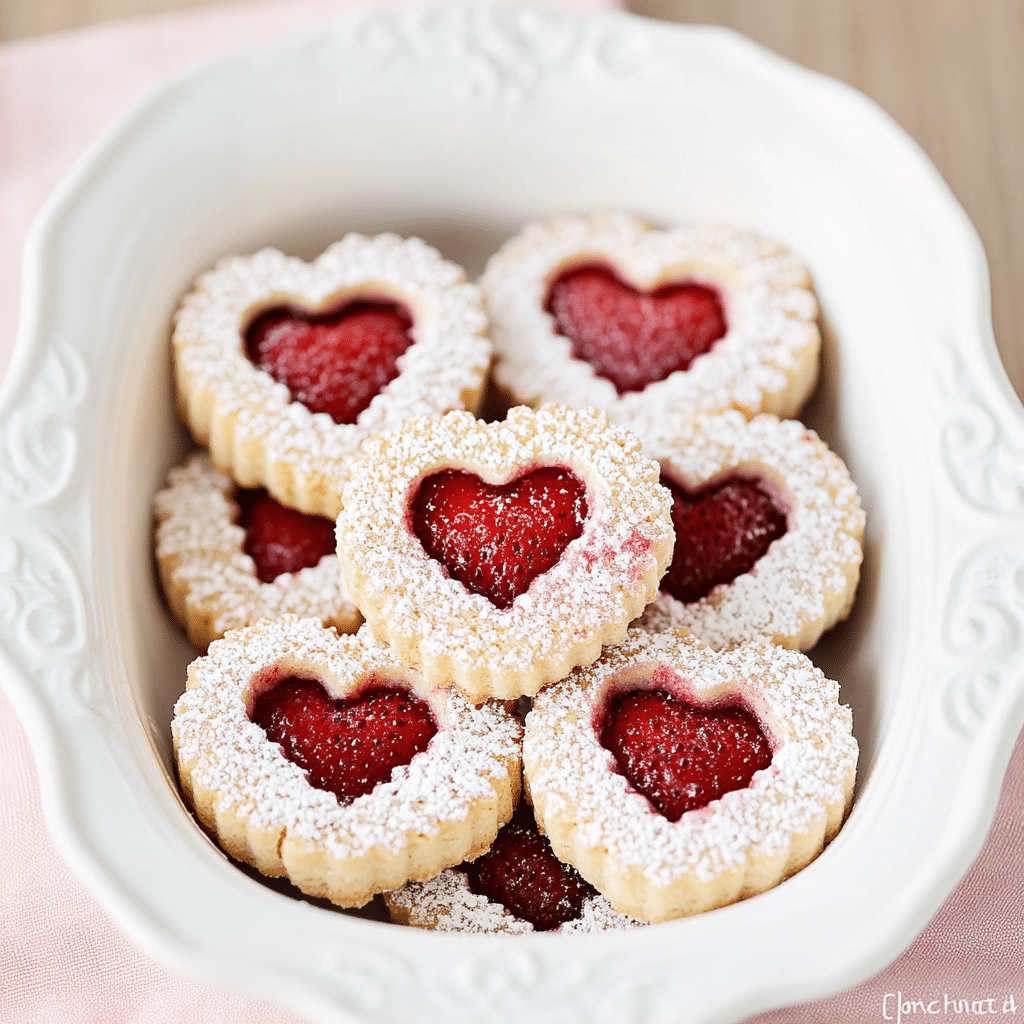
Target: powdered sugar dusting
pixel 248 419
pixel 595 818
pixel 604 578
pixel 447 904
pixel 766 362
pixel 598 915
pixel 210 581
pixel 807 579
pixel 219 748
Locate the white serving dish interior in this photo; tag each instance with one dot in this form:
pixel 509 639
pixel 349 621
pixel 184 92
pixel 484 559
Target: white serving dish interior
pixel 459 125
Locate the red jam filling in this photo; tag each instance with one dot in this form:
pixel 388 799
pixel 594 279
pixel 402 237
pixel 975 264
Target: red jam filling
pixel 522 873
pixel 629 337
pixel 721 532
pixel 346 746
pixel 332 362
pixel 280 539
pixel 496 539
pixel 681 756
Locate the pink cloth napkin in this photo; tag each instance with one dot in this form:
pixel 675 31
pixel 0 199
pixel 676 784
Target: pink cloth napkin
pixel 61 958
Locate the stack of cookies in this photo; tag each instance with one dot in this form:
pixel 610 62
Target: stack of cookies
pixel 535 673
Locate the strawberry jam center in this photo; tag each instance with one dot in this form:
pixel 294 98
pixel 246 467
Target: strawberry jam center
pixel 629 337
pixel 522 873
pixel 721 532
pixel 332 362
pixel 496 539
pixel 346 746
pixel 681 756
pixel 280 539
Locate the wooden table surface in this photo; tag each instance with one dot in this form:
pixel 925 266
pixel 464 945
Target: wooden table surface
pixel 951 72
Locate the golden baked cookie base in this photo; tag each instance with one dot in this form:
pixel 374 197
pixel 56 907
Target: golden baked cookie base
pixel 602 581
pixel 248 421
pixel 446 806
pixel 747 842
pixel 767 361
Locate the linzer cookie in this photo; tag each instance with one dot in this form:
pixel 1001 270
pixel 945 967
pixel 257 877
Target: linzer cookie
pixel 229 557
pixel 497 556
pixel 678 779
pixel 325 759
pixel 602 311
pixel 283 367
pixel 518 886
pixel 768 527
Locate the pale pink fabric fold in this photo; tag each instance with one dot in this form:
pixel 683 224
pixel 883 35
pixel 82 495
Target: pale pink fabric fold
pixel 61 959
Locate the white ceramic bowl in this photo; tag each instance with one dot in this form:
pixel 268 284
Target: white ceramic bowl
pixel 459 125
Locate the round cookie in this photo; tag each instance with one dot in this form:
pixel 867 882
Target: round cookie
pixel 548 533
pixel 733 481
pixel 661 321
pixel 211 583
pixel 395 298
pixel 748 837
pixel 444 804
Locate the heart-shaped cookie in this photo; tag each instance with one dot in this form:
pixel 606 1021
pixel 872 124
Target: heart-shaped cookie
pixel 602 311
pixel 631 337
pixel 734 845
pixel 229 557
pixel 373 331
pixel 247 738
pixel 413 514
pixel 769 531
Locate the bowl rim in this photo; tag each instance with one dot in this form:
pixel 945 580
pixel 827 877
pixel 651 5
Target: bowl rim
pixel 47 723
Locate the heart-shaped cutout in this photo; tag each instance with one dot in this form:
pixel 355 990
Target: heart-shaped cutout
pixel 495 539
pixel 721 532
pixel 629 337
pixel 348 746
pixel 332 362
pixel 280 539
pixel 680 756
pixel 522 873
